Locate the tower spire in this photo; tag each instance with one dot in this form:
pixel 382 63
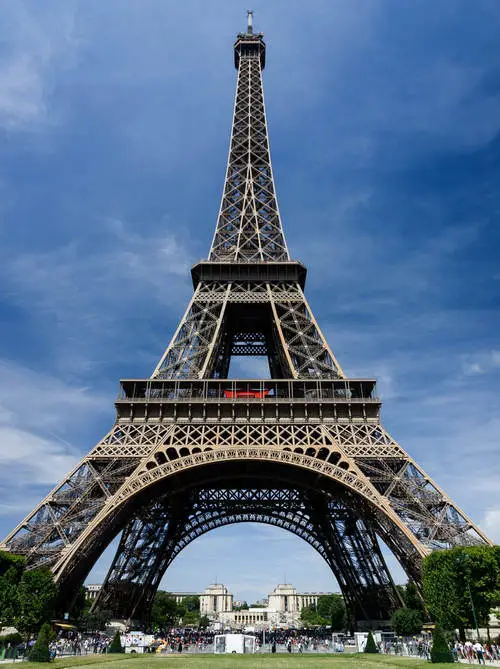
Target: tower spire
pixel 249 225
pixel 249 21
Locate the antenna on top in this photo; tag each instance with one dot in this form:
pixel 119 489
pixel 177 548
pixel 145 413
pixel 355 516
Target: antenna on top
pixel 250 21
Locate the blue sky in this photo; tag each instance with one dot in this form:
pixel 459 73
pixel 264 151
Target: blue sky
pixel 385 137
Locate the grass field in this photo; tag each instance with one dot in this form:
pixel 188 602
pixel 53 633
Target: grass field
pixel 278 661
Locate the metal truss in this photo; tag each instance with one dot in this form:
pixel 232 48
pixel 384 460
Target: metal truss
pixel 276 314
pixel 155 537
pixel 53 526
pixel 249 225
pixel 70 528
pixel 183 436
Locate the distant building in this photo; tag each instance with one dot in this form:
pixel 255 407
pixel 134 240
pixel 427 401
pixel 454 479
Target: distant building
pixel 239 603
pixel 261 602
pixel 180 596
pixel 215 599
pixel 92 590
pixel 281 609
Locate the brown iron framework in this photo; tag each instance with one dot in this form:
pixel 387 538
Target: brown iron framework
pixel 192 450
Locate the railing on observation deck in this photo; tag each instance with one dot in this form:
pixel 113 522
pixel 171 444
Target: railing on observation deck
pixel 238 390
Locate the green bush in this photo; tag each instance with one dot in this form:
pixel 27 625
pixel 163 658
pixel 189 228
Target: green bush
pixel 14 639
pixel 116 644
pixel 371 646
pixel 40 651
pixel 440 651
pixel 406 622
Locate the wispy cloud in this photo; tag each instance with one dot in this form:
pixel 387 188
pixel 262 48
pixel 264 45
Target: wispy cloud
pixel 481 363
pixel 491 522
pixel 85 294
pixel 39 418
pixel 36 44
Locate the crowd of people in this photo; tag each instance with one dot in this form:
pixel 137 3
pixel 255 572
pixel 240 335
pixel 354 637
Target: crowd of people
pixel 476 651
pixel 411 647
pixel 75 643
pixel 292 641
pixel 184 640
pixel 188 640
pixel 296 641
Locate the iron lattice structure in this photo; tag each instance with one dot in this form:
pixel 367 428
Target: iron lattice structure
pixel 192 450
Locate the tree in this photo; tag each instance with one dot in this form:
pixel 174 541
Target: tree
pixel 37 595
pixel 412 598
pixel 456 579
pixel 406 622
pixel 80 604
pixel 8 560
pixel 329 610
pixel 310 617
pixel 11 571
pixel 191 603
pixel 440 651
pixel 204 622
pixel 40 650
pixel 116 645
pixel 13 639
pixel 27 598
pixel 165 611
pixel 190 618
pixel 332 610
pixel 371 646
pixel 9 597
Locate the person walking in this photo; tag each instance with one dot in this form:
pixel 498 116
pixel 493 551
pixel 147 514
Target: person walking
pixel 479 651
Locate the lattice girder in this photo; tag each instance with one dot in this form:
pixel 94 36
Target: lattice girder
pixel 296 341
pixel 154 450
pixel 249 225
pixel 330 529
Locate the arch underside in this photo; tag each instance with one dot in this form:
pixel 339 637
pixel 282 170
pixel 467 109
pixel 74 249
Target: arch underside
pixel 110 491
pixel 337 523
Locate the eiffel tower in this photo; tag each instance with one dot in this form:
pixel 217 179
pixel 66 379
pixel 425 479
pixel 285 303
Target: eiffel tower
pixel 193 450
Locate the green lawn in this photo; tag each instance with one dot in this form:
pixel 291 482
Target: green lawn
pixel 278 661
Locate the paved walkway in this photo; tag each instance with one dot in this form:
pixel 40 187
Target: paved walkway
pixel 492 663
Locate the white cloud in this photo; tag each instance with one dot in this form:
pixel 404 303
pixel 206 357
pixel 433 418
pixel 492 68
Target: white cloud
pixel 491 522
pixel 32 459
pixel 84 296
pixel 71 278
pixel 481 363
pixel 37 413
pixel 37 44
pixel 34 400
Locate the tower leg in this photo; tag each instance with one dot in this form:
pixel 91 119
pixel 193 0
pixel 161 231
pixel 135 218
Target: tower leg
pixel 153 538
